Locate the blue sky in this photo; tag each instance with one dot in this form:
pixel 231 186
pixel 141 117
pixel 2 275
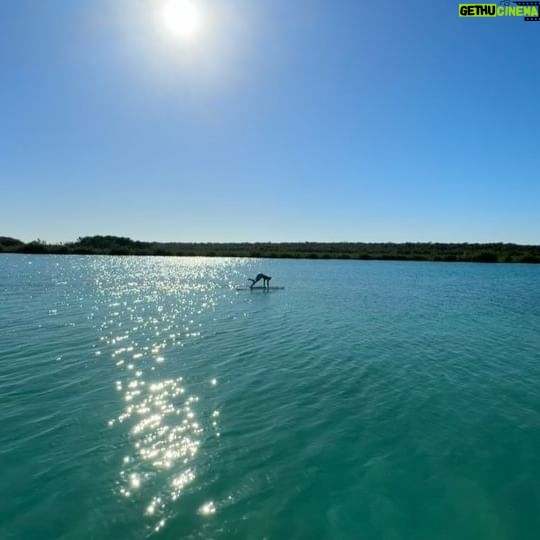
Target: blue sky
pixel 337 120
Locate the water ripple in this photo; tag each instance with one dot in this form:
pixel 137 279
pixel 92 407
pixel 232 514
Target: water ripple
pixel 146 397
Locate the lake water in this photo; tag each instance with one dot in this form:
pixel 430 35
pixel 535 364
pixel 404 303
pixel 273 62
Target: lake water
pixel 146 398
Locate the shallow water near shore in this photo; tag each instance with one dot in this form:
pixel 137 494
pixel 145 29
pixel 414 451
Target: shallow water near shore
pixel 147 398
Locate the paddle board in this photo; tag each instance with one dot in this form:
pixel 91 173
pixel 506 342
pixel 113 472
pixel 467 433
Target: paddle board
pixel 259 288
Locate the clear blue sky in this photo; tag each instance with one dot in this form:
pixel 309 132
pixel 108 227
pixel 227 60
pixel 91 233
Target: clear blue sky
pixel 279 121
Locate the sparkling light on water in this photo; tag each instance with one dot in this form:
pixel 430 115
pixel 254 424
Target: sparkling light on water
pixel 150 314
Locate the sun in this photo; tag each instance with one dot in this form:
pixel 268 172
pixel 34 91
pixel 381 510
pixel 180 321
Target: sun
pixel 181 18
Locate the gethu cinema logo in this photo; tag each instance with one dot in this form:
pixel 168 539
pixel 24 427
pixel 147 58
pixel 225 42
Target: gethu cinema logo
pixel 528 10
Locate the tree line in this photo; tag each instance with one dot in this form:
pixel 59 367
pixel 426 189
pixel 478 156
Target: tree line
pixel 407 251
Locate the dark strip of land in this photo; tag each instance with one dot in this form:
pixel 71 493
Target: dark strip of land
pixel 409 251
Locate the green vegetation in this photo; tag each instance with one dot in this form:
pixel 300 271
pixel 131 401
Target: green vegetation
pixel 6 242
pixel 427 251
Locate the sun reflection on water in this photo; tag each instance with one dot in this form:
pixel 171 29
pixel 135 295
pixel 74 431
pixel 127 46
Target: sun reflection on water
pixel 150 311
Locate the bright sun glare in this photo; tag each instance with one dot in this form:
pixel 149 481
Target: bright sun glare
pixel 181 18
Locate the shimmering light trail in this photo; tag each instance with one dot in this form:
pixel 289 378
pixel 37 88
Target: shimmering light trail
pixel 151 311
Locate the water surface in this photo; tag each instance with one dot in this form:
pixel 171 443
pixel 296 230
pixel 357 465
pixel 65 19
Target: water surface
pixel 146 398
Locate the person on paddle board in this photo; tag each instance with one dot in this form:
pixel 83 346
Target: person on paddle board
pixel 266 280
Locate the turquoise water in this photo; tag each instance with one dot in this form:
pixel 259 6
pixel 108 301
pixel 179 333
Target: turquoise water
pixel 146 398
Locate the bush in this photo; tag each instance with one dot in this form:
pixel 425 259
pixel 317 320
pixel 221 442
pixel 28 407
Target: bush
pixel 486 257
pixel 33 248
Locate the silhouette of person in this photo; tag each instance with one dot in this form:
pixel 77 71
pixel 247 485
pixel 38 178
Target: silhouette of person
pixel 266 280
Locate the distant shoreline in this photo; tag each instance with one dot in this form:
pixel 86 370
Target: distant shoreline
pixel 409 251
